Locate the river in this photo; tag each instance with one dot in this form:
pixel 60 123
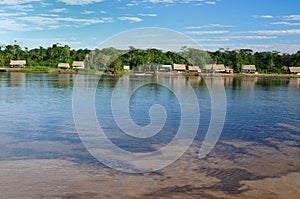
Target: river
pixel 257 154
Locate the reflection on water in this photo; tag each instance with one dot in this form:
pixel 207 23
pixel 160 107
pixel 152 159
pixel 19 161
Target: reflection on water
pixel 259 144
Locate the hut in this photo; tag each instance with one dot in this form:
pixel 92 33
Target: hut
pixel 228 70
pixel 214 68
pixel 78 64
pixel 165 68
pixel 126 67
pixel 207 68
pixel 248 69
pixel 294 70
pixel 63 65
pixel 17 63
pixel 219 68
pixel 195 69
pixel 179 67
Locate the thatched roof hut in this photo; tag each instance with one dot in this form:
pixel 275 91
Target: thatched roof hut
pixel 17 63
pixel 78 64
pixel 63 65
pixel 165 68
pixel 194 69
pixel 214 68
pixel 248 69
pixel 228 69
pixel 179 67
pixel 294 70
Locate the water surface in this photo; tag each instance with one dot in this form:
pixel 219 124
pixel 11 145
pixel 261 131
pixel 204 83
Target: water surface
pixel 259 145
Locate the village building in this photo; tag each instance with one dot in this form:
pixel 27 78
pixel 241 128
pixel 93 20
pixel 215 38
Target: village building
pixel 17 63
pixel 228 69
pixel 165 68
pixel 248 69
pixel 214 68
pixel 294 70
pixel 195 69
pixel 126 67
pixel 78 64
pixel 63 65
pixel 179 67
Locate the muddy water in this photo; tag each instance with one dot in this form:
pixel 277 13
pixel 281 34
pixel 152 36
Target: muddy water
pixel 257 155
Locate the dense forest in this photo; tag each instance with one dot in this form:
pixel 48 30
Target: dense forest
pixel 49 57
pixel 114 59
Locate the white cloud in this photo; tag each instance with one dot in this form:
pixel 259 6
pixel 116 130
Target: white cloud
pixel 159 1
pixel 46 22
pixel 169 2
pixel 292 17
pixel 285 23
pixel 80 2
pixel 209 26
pixel 214 32
pixel 210 2
pixel 25 8
pixel 17 2
pixel 44 4
pixel 12 25
pixel 3 32
pixel 277 32
pixel 12 14
pixel 190 1
pixel 252 37
pixel 212 39
pixel 133 3
pixel 132 19
pixel 49 15
pixel 221 25
pixel 87 12
pixel 59 10
pixel 84 22
pixel 148 15
pixel 288 48
pixel 264 16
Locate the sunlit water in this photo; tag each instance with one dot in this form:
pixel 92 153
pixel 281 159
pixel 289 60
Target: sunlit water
pixel 36 120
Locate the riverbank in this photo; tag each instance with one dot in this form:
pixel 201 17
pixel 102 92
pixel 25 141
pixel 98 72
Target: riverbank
pixel 92 72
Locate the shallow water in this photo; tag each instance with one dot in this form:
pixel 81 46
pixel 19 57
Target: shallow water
pixel 42 156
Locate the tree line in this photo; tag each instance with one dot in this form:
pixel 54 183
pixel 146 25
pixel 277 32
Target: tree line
pixel 114 59
pixel 41 56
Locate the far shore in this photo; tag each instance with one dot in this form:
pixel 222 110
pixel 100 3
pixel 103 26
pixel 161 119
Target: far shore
pixel 87 72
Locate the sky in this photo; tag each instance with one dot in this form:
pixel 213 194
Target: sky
pixel 261 25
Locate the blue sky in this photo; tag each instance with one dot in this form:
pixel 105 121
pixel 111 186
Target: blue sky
pixel 261 25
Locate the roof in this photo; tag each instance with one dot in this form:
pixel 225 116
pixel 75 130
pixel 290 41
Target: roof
pixel 78 64
pixel 214 67
pixel 17 62
pixel 228 68
pixel 194 68
pixel 166 66
pixel 248 67
pixel 179 67
pixel 207 67
pixel 294 69
pixel 219 67
pixel 64 65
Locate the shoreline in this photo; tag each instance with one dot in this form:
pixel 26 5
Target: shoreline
pixel 72 71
